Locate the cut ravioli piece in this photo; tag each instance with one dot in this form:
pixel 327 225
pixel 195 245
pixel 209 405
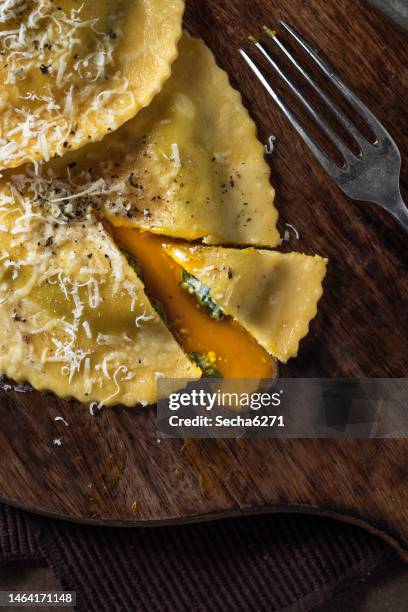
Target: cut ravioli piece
pixel 188 166
pixel 73 71
pixel 272 295
pixel 74 318
pixel 219 345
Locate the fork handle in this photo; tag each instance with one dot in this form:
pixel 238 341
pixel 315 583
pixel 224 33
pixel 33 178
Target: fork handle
pixel 398 209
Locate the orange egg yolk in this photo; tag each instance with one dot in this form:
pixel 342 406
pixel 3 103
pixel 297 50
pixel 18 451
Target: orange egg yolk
pixel 237 354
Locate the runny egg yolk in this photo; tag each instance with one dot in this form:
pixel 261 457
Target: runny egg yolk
pixel 237 354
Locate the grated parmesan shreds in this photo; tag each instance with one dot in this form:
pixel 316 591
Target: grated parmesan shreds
pixel 270 147
pixel 294 229
pixel 45 216
pixel 60 418
pixel 175 153
pixel 75 61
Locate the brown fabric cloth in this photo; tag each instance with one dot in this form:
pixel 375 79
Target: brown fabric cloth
pixel 17 540
pixel 265 563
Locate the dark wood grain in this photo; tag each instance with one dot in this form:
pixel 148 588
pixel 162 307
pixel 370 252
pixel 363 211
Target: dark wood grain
pixel 111 469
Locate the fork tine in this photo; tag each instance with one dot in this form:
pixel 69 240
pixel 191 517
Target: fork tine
pixel 342 117
pixel 330 167
pixel 372 122
pixel 345 151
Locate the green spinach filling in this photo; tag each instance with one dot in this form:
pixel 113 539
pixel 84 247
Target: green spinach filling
pixel 206 363
pixel 133 262
pixel 192 285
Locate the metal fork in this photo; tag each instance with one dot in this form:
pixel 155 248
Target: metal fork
pixel 373 175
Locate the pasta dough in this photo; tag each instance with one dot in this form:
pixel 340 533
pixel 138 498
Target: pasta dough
pixel 71 72
pixel 272 295
pixel 74 318
pixel 188 166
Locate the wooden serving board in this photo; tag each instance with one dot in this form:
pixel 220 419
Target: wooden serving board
pixel 111 469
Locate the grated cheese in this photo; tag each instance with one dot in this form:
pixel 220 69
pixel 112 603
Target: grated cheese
pixel 293 228
pixel 87 329
pixel 45 213
pixel 270 147
pixel 143 318
pixel 176 154
pixel 52 41
pixel 60 418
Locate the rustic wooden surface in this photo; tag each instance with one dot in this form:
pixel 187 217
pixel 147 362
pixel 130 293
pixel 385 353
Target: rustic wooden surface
pixel 111 468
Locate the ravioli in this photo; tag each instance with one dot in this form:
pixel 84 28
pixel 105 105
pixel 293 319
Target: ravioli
pixel 74 315
pixel 272 295
pixel 216 343
pixel 188 166
pixel 74 318
pixel 73 71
